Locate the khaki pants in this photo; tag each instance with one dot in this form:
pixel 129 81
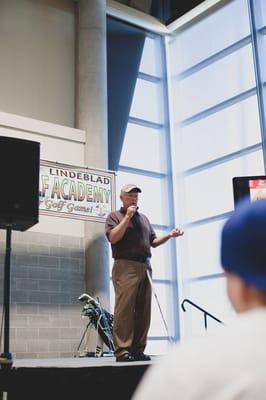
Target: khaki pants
pixel 132 312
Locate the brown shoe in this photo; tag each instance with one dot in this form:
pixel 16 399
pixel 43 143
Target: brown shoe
pixel 126 357
pixel 141 357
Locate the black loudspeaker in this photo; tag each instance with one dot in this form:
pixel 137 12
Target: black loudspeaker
pixel 19 180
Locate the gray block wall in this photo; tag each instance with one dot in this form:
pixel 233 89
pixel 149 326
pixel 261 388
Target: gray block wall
pixel 47 277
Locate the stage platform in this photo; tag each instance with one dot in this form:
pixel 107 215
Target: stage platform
pixel 79 378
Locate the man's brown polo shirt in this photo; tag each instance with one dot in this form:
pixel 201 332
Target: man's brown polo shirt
pixel 136 242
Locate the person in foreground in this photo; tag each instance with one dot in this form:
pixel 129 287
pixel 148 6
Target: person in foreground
pixel 131 237
pixel 232 364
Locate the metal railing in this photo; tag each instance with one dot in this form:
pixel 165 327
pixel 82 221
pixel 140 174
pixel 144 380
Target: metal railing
pixel 205 313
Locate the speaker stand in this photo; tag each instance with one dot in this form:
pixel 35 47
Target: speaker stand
pixel 6 359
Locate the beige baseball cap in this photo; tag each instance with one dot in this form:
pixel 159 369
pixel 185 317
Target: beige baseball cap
pixel 129 188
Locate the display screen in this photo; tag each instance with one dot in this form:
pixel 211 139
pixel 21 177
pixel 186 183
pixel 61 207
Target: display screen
pixel 251 188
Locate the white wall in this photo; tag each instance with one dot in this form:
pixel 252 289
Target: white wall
pixel 37 67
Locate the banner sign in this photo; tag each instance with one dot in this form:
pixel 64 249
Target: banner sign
pixel 74 192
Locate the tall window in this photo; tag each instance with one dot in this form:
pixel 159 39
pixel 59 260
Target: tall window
pixel 216 95
pixel 216 136
pixel 145 161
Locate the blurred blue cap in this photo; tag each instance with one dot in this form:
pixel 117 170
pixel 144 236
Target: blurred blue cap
pixel 243 243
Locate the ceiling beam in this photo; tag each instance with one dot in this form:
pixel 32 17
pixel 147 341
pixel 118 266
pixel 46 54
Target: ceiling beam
pixel 135 17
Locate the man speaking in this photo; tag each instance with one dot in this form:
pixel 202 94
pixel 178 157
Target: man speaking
pixel 132 236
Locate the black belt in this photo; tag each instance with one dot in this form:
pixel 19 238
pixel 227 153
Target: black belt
pixel 138 259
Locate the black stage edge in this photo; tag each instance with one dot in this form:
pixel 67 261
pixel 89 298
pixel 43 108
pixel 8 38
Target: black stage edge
pixel 77 379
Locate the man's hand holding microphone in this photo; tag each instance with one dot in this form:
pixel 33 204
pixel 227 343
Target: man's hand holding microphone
pixel 131 210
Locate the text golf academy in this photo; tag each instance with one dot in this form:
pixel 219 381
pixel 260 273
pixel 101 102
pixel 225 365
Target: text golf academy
pixel 67 191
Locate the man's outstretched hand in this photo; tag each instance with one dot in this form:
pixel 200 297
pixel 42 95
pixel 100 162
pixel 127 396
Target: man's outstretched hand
pixel 176 232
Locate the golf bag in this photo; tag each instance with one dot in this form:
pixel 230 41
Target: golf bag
pixel 100 319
